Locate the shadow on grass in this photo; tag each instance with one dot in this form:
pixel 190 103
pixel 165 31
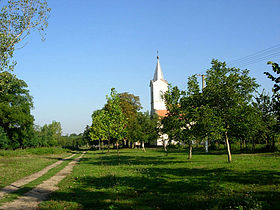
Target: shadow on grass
pixel 220 151
pixel 114 159
pixel 164 187
pixel 158 193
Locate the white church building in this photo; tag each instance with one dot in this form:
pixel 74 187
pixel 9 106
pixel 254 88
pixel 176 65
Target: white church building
pixel 158 87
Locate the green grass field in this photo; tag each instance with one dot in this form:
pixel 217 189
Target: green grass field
pixel 20 163
pixel 152 180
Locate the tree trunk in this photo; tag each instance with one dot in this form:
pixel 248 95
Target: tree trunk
pixel 228 147
pixel 206 145
pixel 273 143
pixel 124 143
pixel 143 146
pixel 164 145
pixel 190 150
pixel 241 145
pixel 108 146
pixel 118 147
pixel 102 147
pixel 99 144
pixel 254 145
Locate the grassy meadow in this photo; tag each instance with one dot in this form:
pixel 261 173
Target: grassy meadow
pixel 16 164
pixel 154 180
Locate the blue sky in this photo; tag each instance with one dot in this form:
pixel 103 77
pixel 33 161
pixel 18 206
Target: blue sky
pixel 92 46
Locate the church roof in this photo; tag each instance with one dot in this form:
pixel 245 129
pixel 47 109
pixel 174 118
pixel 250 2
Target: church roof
pixel 161 113
pixel 158 72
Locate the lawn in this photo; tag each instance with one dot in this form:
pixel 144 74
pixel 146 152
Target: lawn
pixel 153 180
pixel 20 163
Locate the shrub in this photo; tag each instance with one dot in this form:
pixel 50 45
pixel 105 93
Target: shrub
pixel 4 140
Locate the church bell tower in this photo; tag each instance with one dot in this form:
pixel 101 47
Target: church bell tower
pixel 158 87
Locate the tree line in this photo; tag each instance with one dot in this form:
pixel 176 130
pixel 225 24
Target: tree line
pixel 121 123
pixel 18 19
pixel 228 110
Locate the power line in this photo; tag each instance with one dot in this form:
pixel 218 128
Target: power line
pixel 256 57
pixel 256 53
pixel 260 59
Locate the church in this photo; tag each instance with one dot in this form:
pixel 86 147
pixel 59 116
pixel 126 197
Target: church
pixel 158 87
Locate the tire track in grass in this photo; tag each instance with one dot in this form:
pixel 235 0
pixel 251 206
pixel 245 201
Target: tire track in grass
pixel 31 199
pixel 25 188
pixel 19 183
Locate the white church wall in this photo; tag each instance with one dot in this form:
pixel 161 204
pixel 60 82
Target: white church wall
pixel 159 88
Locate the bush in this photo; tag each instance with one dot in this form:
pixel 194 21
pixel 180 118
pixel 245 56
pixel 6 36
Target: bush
pixel 4 140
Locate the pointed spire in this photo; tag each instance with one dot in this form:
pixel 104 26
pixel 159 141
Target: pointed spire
pixel 158 72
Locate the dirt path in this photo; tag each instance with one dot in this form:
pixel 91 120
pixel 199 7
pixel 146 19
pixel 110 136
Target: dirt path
pixel 31 199
pixel 19 183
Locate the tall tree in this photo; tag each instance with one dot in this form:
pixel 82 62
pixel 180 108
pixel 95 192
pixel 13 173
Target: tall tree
pixel 98 130
pixel 115 120
pixel 276 92
pixel 4 141
pixel 266 132
pixel 183 113
pixel 51 133
pixel 130 105
pixel 15 107
pixel 86 135
pixel 227 89
pixel 17 19
pixel 144 129
pixel 172 123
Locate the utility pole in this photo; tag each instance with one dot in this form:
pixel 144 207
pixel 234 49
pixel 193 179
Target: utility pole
pixel 203 86
pixel 203 80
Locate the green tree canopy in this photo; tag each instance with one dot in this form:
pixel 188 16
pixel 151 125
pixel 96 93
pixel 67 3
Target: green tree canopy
pixel 115 120
pixel 227 91
pixel 130 105
pixel 144 129
pixel 276 92
pixel 15 107
pixel 98 130
pixel 17 19
pixel 216 112
pixel 4 140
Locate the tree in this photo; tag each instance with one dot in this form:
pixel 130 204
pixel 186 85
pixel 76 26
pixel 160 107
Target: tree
pixel 190 104
pixel 15 107
pixel 130 105
pixel 227 89
pixel 276 92
pixel 115 120
pixel 144 128
pixel 99 130
pixel 86 135
pixel 183 113
pixel 172 123
pixel 17 19
pixel 49 134
pixel 4 141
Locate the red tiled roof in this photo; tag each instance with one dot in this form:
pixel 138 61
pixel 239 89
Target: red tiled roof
pixel 161 113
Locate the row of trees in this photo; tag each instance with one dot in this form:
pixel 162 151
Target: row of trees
pixel 48 135
pixel 121 122
pixel 17 129
pixel 18 18
pixel 223 112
